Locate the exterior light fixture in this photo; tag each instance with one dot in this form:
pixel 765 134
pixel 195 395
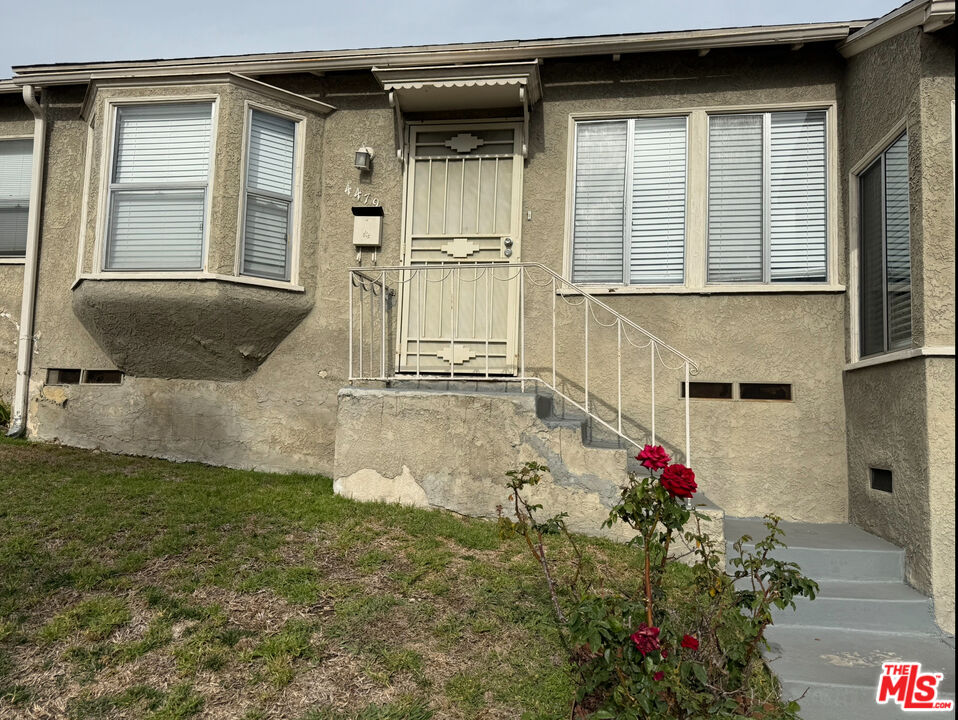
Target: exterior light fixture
pixel 364 159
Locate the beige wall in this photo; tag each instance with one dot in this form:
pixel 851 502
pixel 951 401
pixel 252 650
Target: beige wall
pixel 898 413
pixel 15 121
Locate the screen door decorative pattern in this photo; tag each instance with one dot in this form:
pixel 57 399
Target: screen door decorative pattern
pixel 460 303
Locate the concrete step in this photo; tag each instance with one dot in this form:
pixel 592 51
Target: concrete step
pixel 837 671
pixel 827 551
pixel 889 607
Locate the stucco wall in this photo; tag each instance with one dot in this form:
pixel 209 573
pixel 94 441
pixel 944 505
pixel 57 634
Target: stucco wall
pixel 283 416
pixel 898 413
pixel 15 121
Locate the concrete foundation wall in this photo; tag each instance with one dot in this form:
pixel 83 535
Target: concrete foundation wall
pixel 452 450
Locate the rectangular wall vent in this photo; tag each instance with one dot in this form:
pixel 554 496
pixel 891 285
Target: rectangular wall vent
pixel 765 391
pixel 881 479
pixel 63 376
pixel 103 377
pixel 708 390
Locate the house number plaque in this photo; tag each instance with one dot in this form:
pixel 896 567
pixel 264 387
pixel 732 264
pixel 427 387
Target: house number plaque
pixel 358 195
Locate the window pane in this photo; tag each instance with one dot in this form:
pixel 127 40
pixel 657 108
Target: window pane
pixel 599 212
pixel 13 230
pixel 16 161
pixel 658 201
pixel 267 231
pixel 156 230
pixel 735 198
pixel 872 264
pixel 797 229
pixel 163 143
pixel 271 142
pixel 898 244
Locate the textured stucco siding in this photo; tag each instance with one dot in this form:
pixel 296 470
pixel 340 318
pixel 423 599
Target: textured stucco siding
pixel 16 121
pixel 898 413
pixel 780 337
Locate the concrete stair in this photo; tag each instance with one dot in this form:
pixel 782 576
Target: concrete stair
pixel 827 653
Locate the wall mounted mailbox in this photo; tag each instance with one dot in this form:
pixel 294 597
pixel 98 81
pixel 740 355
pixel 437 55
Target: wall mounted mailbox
pixel 367 226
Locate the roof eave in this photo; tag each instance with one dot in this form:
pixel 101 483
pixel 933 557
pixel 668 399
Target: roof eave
pixel 508 51
pixel 930 15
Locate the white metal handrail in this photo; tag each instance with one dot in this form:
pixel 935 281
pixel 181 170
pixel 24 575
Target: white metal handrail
pixel 374 334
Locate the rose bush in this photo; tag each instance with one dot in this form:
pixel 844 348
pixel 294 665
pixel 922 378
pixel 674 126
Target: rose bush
pixel 639 651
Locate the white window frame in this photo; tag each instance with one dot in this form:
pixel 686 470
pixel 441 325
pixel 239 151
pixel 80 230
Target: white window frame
pixel 108 152
pixel 856 359
pixel 696 221
pixel 296 211
pixel 19 259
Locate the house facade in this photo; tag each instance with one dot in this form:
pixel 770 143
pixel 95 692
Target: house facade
pixel 739 243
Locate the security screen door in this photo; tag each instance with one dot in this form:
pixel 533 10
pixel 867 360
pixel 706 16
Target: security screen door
pixel 463 201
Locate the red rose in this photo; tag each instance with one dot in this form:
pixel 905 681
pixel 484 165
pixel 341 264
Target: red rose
pixel 665 653
pixel 690 642
pixel 679 481
pixel 658 676
pixel 653 457
pixel 646 639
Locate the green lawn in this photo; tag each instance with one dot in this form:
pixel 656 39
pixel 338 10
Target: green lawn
pixel 138 588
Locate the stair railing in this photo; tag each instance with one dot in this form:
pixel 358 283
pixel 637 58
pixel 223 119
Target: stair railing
pixel 421 321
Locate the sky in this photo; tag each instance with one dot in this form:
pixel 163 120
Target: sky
pixel 48 31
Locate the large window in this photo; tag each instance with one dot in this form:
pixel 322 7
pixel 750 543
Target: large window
pixel 16 159
pixel 767 220
pixel 158 187
pixel 267 225
pixel 630 199
pixel 885 252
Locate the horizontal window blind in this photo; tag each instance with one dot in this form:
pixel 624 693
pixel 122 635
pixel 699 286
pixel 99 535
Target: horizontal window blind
pixel 156 230
pixel 735 215
pixel 898 244
pixel 599 211
pixel 767 215
pixel 269 196
pixel 797 222
pixel 657 241
pixel 630 197
pixel 16 162
pixel 159 183
pixel 163 143
pixel 885 252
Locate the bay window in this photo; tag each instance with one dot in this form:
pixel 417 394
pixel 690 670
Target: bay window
pixel 16 161
pixel 629 205
pixel 158 188
pixel 767 210
pixel 267 225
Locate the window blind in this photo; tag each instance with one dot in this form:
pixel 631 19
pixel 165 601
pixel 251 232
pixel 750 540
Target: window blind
pixel 269 196
pixel 158 190
pixel 600 164
pixel 735 215
pixel 630 195
pixel 797 221
pixel 16 162
pixel 898 244
pixel 767 214
pixel 885 252
pixel 657 237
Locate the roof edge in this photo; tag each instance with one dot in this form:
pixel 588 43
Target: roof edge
pixel 499 51
pixel 930 15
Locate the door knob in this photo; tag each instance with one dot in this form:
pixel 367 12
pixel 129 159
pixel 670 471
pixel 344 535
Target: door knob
pixel 507 242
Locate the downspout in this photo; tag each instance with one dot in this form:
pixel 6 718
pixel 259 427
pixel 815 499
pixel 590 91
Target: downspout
pixel 21 393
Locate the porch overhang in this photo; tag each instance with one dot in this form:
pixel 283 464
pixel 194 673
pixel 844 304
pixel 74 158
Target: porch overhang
pixel 461 87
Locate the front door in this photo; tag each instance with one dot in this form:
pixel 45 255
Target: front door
pixel 459 307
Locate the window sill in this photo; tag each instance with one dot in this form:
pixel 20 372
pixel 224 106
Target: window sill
pixel 743 289
pixel 239 279
pixel 899 355
pixel 12 261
